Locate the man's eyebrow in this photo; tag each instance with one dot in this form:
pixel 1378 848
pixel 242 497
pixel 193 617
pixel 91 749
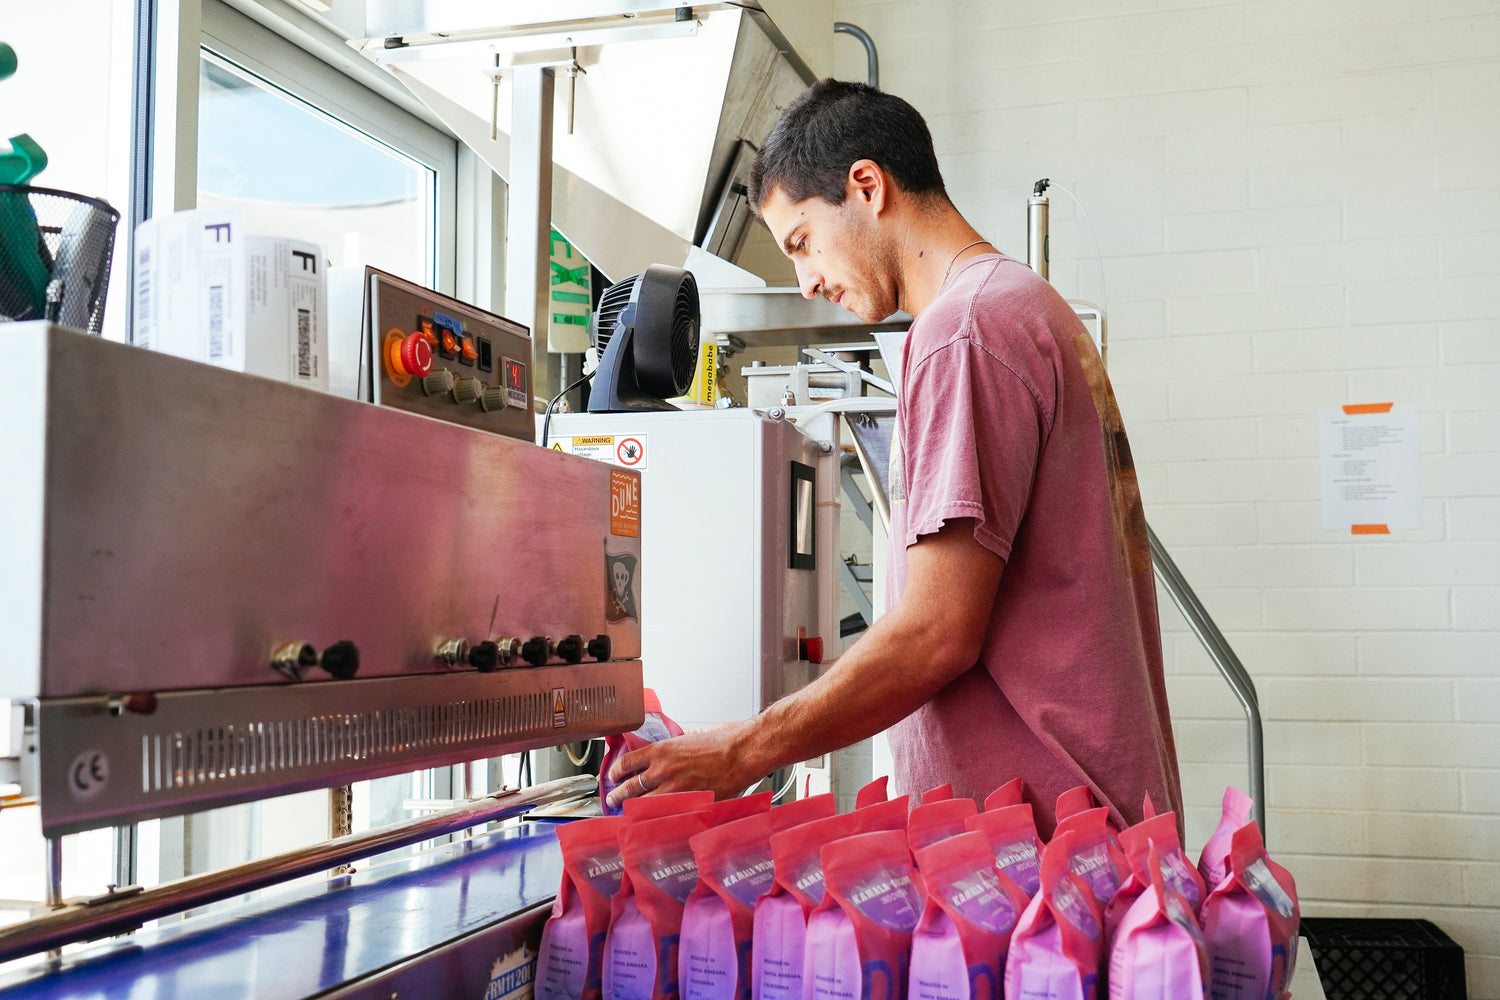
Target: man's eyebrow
pixel 787 244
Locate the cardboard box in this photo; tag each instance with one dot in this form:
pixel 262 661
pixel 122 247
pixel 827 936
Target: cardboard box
pixel 208 289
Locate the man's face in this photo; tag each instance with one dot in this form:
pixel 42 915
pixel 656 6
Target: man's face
pixel 841 252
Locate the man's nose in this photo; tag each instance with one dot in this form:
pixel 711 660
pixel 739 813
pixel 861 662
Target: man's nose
pixel 810 282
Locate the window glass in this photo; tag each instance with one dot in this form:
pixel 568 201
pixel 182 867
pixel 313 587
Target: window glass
pixel 296 171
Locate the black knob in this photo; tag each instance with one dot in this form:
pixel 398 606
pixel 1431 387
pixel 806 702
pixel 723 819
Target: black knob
pixel 570 648
pixel 600 648
pixel 341 659
pixel 537 650
pixel 485 656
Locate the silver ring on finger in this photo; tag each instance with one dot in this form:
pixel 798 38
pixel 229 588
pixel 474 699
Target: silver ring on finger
pixel 640 779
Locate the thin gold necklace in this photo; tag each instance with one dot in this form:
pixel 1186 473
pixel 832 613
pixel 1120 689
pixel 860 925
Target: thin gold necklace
pixel 944 283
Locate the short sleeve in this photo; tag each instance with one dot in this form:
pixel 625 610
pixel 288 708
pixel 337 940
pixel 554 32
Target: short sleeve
pixel 971 435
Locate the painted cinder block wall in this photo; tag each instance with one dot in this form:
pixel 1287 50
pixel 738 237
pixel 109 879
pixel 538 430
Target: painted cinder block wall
pixel 1298 206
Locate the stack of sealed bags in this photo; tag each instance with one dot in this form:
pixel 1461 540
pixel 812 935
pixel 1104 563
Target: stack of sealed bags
pixel 684 897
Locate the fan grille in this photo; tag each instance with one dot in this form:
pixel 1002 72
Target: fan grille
pixel 685 333
pixel 611 304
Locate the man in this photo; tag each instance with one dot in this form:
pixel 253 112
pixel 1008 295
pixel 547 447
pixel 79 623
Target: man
pixel 1023 639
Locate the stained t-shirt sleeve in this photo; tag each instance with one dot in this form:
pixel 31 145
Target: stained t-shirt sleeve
pixel 971 435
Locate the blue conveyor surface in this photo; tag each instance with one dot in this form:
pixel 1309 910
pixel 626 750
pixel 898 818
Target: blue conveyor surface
pixel 314 939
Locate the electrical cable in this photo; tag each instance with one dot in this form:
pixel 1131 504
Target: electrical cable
pixel 547 415
pixel 577 761
pixel 790 781
pixel 1099 259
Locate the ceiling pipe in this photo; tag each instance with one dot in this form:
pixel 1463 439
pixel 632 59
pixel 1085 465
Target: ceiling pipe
pixel 845 28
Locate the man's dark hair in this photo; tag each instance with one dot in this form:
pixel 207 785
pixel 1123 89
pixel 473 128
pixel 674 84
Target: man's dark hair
pixel 830 126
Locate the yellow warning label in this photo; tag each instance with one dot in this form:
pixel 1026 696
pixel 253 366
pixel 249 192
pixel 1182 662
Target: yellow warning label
pixel 595 439
pixel 557 446
pixel 559 709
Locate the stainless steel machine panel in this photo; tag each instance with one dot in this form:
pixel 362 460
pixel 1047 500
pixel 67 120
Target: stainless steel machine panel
pixel 171 524
pixel 480 363
pixel 100 762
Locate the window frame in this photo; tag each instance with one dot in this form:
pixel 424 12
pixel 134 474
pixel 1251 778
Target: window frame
pixel 240 40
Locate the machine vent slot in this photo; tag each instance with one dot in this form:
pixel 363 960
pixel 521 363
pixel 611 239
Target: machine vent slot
pixel 253 749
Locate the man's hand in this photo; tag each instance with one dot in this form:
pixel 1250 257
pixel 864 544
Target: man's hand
pixel 709 758
pixel 931 637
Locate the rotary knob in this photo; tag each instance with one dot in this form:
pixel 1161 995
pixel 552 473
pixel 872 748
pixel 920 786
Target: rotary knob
pixel 537 650
pixel 570 648
pixel 341 659
pixel 485 656
pixel 600 648
pixel 437 383
pixel 466 390
pixel 494 398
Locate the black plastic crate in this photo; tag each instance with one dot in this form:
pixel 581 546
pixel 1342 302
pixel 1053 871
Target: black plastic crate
pixel 1375 959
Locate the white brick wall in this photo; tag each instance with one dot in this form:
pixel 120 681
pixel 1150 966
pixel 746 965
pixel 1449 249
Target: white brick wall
pixel 1298 207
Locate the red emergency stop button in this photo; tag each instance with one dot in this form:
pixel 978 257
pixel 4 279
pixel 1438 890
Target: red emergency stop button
pixel 811 649
pixel 416 355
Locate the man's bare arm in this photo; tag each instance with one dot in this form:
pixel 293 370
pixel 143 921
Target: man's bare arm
pixel 931 637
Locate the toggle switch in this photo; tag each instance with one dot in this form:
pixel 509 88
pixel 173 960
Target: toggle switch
pixel 341 659
pixel 537 650
pixel 600 648
pixel 571 648
pixel 294 659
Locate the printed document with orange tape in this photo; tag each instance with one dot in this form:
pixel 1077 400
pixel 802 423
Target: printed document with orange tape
pixel 1372 468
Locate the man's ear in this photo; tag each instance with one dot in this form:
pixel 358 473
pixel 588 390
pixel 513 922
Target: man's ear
pixel 867 185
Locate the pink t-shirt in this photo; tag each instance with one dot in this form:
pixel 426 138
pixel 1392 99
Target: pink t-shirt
pixel 1006 417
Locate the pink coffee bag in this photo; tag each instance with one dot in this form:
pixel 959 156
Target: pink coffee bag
pixel 859 937
pixel 958 948
pixel 799 811
pixel 938 794
pixel 1096 854
pixel 654 729
pixel 1011 832
pixel 1159 952
pixel 780 925
pixel 1159 833
pixel 738 807
pixel 875 791
pixel 644 807
pixel 1009 794
pixel 1058 944
pixel 1250 921
pixel 931 822
pixel 569 959
pixel 718 920
pixel 1074 800
pixel 1213 863
pixel 640 952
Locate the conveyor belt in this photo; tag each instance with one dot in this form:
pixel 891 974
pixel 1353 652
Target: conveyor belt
pixel 434 925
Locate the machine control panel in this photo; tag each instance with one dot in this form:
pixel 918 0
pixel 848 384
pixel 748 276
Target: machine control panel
pixel 434 355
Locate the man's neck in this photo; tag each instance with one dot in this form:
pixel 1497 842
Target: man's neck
pixel 937 241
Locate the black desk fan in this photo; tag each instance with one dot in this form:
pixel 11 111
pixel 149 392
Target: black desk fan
pixel 646 333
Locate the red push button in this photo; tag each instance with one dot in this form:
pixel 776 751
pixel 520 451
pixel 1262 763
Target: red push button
pixel 811 649
pixel 416 355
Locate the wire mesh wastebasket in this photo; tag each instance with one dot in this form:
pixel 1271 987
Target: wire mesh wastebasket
pixel 55 250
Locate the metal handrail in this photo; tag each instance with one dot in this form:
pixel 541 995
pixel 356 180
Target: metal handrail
pixel 1233 671
pixel 125 910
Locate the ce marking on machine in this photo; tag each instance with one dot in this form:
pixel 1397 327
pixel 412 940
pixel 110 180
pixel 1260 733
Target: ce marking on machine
pixel 88 774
